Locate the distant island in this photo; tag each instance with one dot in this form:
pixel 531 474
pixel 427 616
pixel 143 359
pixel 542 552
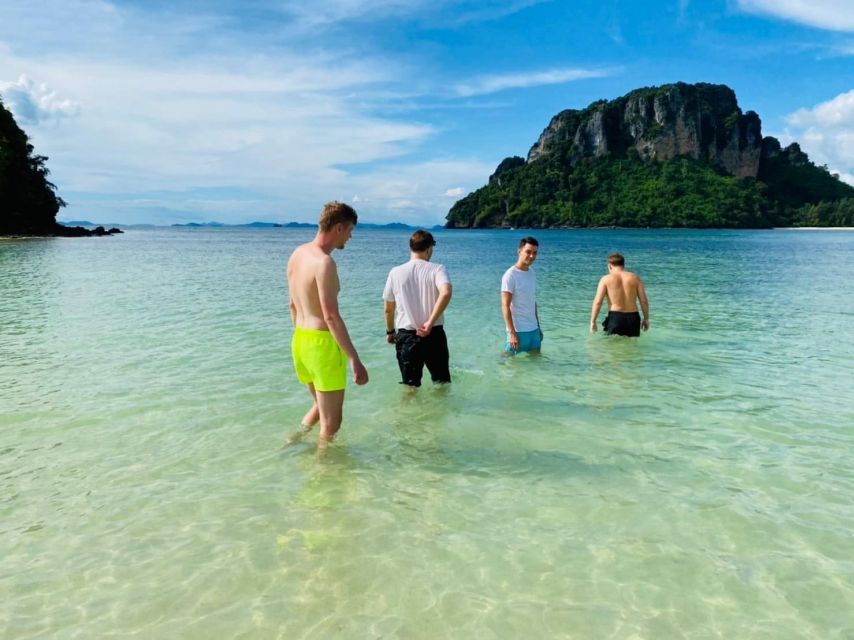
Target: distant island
pixel 295 225
pixel 89 225
pixel 253 225
pixel 678 155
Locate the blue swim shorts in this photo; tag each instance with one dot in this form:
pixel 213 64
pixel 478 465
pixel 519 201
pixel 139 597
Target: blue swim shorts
pixel 528 341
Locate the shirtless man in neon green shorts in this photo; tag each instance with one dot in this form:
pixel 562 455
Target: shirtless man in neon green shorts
pixel 321 345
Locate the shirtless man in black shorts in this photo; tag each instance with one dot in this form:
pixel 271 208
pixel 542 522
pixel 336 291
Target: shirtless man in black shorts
pixel 622 289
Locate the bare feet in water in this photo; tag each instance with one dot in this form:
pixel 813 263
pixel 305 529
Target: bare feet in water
pixel 297 435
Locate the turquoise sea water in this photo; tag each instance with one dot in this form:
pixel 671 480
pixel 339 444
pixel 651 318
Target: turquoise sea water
pixel 694 483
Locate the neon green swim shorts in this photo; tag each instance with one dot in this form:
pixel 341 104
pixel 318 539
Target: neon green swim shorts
pixel 318 359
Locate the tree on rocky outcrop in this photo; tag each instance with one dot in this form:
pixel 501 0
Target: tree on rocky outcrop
pixel 28 200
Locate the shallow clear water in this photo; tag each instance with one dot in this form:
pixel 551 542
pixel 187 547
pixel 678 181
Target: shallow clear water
pixel 696 482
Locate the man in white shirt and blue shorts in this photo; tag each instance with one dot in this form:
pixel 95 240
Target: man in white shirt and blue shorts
pixel 416 295
pixel 519 301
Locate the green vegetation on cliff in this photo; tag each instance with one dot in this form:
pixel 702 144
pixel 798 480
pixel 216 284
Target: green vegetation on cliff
pixel 629 192
pixel 28 202
pixel 673 156
pixel 826 214
pixel 626 192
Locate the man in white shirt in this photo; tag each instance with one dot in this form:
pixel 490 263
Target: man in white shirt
pixel 519 301
pixel 416 295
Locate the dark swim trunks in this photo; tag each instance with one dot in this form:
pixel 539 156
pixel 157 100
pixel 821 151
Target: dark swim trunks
pixel 413 352
pixel 620 323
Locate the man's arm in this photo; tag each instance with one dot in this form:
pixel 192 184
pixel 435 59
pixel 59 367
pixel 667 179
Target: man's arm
pixel 292 306
pixel 389 321
pixel 506 298
pixel 644 305
pixel 327 289
pixel 438 309
pixel 537 316
pixel 601 292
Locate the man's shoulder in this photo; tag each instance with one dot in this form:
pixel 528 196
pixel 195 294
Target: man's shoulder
pixel 323 262
pixel 400 268
pixel 631 276
pixel 299 250
pixel 306 253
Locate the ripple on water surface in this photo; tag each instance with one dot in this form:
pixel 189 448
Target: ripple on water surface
pixel 693 483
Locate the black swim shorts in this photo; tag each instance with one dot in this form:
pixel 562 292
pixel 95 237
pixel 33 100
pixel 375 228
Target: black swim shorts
pixel 620 323
pixel 413 352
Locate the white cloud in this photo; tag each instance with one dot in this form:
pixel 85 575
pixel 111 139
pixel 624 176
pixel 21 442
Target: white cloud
pixel 63 25
pixel 31 103
pixel 495 83
pixel 182 126
pixel 833 113
pixel 322 14
pixel 275 125
pixel 833 15
pixel 418 192
pixel 826 133
pixel 198 116
pixel 483 11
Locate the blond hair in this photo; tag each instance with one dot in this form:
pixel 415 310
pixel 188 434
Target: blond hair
pixel 335 212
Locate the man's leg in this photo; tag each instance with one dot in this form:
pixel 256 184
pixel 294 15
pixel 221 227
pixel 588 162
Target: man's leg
pixel 436 355
pixel 534 342
pixel 313 415
pixel 409 358
pixel 309 419
pixel 330 406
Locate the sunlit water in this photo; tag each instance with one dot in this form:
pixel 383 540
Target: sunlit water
pixel 696 482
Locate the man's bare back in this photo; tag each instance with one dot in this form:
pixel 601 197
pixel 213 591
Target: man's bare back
pixel 621 290
pixel 306 263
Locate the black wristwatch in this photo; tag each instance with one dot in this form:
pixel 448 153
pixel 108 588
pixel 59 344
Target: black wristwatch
pixel 390 332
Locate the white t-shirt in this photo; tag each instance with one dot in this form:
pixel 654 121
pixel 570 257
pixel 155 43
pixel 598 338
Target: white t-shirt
pixel 414 288
pixel 523 305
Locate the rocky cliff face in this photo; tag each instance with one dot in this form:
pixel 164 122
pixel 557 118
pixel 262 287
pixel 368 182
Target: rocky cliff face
pixel 670 156
pixel 700 121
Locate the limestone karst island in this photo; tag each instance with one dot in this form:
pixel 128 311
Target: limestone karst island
pixel 679 155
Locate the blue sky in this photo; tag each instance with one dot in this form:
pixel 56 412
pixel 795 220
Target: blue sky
pixel 184 111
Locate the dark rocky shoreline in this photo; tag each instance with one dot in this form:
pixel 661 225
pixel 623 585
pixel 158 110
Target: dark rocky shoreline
pixel 61 231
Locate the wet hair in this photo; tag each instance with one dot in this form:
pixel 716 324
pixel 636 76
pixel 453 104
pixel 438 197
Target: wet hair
pixel 528 240
pixel 616 260
pixel 421 241
pixel 335 212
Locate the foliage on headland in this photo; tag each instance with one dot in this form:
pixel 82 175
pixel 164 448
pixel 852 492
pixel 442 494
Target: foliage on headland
pixel 28 200
pixel 672 156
